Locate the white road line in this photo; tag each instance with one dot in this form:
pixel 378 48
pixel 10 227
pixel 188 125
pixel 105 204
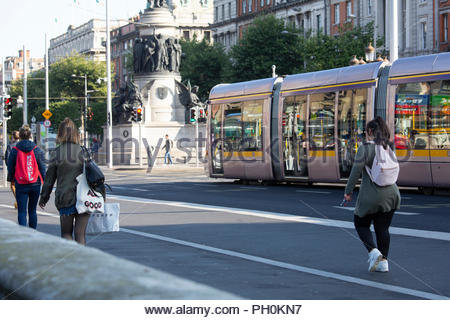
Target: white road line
pixel 436 235
pixel 280 264
pixel 137 189
pixel 396 212
pixel 313 191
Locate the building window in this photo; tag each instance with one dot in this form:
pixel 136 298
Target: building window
pixel 229 10
pixel 243 6
pixel 267 2
pixel 336 14
pixel 223 12
pixel 445 27
pixel 186 35
pixel 217 14
pixel 423 33
pixel 318 23
pixel 349 9
pixel 250 4
pixel 262 3
pixel 207 36
pixel 369 7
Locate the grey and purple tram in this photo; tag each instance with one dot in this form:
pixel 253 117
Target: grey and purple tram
pixel 308 127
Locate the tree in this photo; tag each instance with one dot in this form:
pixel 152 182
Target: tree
pixel 66 93
pixel 267 42
pixel 204 65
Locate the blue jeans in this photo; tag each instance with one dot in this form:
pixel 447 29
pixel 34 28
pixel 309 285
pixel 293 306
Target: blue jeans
pixel 27 196
pixel 167 155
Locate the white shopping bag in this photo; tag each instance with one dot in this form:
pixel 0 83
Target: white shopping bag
pixel 88 201
pixel 104 222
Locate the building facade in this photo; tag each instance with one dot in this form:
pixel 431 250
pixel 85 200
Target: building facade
pixel 14 70
pixel 232 18
pixel 87 39
pixel 443 28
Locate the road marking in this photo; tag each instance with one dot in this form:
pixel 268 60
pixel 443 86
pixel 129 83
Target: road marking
pixel 436 235
pixel 284 265
pixel 313 191
pixel 137 189
pixel 396 212
pixel 253 188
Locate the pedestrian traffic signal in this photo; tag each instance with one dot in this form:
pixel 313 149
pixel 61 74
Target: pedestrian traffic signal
pixel 193 115
pixel 90 114
pixel 139 114
pixel 8 107
pixel 202 115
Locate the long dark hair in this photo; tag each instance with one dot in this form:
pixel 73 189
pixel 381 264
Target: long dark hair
pixel 379 130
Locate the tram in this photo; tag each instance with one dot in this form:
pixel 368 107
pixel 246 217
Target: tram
pixel 308 127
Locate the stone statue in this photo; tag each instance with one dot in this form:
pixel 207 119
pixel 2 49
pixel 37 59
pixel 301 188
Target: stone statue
pixel 123 104
pixel 177 50
pixel 138 55
pixel 156 53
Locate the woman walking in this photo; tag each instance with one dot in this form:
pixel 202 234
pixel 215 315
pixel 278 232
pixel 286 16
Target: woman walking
pixel 65 165
pixel 26 169
pixel 374 204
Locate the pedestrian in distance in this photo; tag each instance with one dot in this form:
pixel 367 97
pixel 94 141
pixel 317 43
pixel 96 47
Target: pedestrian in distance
pixel 26 170
pixel 14 140
pixel 375 204
pixel 168 146
pixel 66 164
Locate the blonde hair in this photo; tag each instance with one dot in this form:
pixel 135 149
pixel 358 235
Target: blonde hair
pixel 68 132
pixel 25 132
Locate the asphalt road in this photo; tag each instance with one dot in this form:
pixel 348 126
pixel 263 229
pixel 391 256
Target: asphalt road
pixel 269 242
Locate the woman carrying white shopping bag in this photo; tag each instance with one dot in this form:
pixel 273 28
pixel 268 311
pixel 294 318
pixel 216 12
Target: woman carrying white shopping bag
pixel 66 165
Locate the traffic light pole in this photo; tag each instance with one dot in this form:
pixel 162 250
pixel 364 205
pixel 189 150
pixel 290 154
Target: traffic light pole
pixel 141 163
pixel 197 111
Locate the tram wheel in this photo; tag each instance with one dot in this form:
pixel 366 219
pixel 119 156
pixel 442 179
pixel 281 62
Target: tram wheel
pixel 428 191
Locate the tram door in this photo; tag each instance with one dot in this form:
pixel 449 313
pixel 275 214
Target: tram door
pixel 216 139
pixel 322 162
pixel 352 106
pixel 294 136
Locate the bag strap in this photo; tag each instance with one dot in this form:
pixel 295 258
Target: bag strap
pixel 86 153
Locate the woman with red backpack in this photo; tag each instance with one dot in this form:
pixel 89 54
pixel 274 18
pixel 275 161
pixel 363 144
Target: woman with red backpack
pixel 26 168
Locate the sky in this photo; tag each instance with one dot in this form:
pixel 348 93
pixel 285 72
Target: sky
pixel 25 22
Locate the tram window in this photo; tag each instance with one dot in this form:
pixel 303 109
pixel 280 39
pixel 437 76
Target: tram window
pixel 216 121
pixel 351 126
pixel 411 115
pixel 439 115
pixel 232 127
pixel 252 126
pixel 216 138
pixel 321 121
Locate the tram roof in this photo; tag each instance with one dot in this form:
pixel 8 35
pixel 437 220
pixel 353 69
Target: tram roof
pixel 331 77
pixel 242 88
pixel 420 64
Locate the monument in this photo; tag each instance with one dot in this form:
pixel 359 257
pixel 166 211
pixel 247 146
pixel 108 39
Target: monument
pixel 156 87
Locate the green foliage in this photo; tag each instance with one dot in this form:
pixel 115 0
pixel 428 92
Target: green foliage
pixel 99 117
pixel 204 65
pixel 265 44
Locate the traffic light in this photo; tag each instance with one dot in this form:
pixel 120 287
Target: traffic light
pixel 193 115
pixel 139 114
pixel 134 115
pixel 202 115
pixel 8 107
pixel 90 114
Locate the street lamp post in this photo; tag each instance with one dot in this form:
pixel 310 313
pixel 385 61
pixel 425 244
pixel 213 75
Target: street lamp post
pixel 108 95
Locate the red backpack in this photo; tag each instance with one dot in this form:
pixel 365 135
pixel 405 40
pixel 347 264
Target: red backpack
pixel 27 170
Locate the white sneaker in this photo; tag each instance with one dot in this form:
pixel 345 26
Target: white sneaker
pixel 375 257
pixel 383 266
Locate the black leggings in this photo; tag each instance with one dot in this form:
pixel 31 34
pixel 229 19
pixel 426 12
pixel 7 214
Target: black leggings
pixel 381 223
pixel 81 221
